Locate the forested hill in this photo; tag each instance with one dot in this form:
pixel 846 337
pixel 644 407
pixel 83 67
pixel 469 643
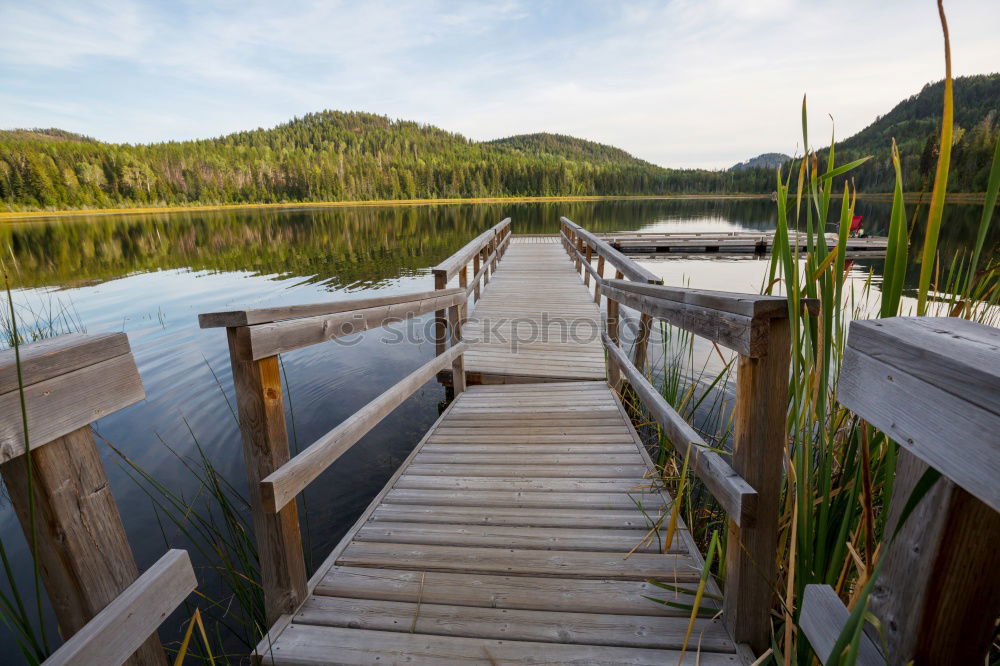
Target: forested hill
pixel 331 156
pixel 915 123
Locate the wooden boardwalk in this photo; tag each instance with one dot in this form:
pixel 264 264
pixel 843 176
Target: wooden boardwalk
pixel 535 322
pixel 728 242
pixel 505 538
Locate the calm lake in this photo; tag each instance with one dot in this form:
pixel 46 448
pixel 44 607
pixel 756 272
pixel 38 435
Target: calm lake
pixel 150 276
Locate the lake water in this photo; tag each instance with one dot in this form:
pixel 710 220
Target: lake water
pixel 150 276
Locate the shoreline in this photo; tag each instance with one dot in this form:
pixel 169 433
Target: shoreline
pixel 20 216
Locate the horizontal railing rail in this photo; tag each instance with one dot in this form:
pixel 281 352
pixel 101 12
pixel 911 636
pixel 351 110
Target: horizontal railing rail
pixel 256 337
pixel 118 630
pixel 456 262
pixel 281 486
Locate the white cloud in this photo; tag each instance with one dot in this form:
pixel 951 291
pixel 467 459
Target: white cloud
pixel 681 83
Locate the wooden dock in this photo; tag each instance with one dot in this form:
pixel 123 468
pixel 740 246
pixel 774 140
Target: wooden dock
pixel 728 242
pixel 529 525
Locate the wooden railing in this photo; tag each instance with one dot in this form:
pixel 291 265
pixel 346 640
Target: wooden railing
pixel 60 493
pixel 256 337
pixel 484 251
pixel 582 245
pixel 932 384
pixel 746 484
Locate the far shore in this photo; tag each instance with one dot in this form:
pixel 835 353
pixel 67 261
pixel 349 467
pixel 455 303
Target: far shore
pixel 12 216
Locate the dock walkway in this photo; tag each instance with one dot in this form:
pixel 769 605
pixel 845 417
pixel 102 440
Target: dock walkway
pixel 505 538
pixel 535 322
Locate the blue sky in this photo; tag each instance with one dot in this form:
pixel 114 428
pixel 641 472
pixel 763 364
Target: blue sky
pixel 683 83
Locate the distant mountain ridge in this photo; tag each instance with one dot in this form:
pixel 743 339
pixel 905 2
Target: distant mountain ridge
pixel 763 161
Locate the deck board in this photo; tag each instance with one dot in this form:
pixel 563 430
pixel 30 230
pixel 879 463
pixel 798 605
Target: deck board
pixel 509 556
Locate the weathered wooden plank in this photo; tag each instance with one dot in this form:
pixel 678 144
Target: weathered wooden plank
pixel 67 508
pixel 565 563
pixel 902 411
pixel 823 617
pixel 662 632
pixel 61 404
pixel 620 518
pixel 118 630
pixel 619 597
pixel 542 484
pixel 488 460
pixel 555 500
pixel 738 332
pixel 746 305
pixel 530 449
pixel 282 485
pixel 305 644
pixel 268 315
pixel 280 336
pixel 565 470
pixel 532 538
pixel 58 356
pixel 734 494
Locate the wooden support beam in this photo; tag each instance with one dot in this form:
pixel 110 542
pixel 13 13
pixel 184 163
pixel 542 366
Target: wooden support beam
pixel 642 342
pixel 476 276
pixel 590 255
pixel 440 323
pixel 760 423
pixel 456 316
pixel 83 552
pixel 265 449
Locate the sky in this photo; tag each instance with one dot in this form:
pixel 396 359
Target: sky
pixel 681 83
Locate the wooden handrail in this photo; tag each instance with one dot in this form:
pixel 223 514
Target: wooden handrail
pixel 758 328
pixel 231 318
pixel 281 486
pixel 490 260
pixel 629 268
pixel 118 630
pixel 733 493
pixel 453 264
pixel 256 337
pixel 275 337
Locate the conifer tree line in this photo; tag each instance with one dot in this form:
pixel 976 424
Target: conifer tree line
pixel 331 156
pixel 340 156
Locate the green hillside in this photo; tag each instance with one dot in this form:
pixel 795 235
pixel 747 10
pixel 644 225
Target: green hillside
pixel 330 156
pixel 915 124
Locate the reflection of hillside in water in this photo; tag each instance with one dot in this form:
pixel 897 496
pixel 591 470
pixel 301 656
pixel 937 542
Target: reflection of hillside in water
pixel 364 245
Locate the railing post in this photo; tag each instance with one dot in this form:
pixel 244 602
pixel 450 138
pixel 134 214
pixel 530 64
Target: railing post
pixel 642 342
pixel 579 251
pixel 614 373
pixel 586 274
pixel 456 314
pixel 486 266
pixel 440 322
pixel 261 410
pixel 59 489
pixel 475 276
pixel 760 423
pixel 597 285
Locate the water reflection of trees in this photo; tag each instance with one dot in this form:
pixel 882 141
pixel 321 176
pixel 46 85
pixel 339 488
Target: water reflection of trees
pixel 342 246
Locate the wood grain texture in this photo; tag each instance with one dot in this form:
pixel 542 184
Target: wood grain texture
pixel 270 339
pixel 822 618
pixel 83 552
pixel 61 404
pixel 455 262
pixel 269 315
pixel 917 367
pixel 124 625
pixel 58 356
pixel 759 435
pixel 629 268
